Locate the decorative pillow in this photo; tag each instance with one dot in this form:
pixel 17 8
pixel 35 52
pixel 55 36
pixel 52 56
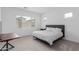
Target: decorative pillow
pixel 54 29
pixel 59 29
pixel 49 28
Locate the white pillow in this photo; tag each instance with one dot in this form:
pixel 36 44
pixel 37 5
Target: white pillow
pixel 54 29
pixel 49 28
pixel 58 29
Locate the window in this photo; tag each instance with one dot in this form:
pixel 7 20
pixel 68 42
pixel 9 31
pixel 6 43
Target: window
pixel 25 21
pixel 68 15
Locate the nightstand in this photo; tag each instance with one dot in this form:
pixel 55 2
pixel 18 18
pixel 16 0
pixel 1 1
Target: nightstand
pixel 42 29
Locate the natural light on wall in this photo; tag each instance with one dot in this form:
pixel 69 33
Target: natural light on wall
pixel 44 18
pixel 68 15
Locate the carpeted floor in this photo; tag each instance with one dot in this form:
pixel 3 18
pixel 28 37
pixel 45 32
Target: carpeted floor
pixel 29 44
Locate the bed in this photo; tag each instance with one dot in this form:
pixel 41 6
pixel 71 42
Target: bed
pixel 51 34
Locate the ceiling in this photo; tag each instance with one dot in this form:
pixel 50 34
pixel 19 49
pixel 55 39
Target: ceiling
pixel 40 10
pixel 43 10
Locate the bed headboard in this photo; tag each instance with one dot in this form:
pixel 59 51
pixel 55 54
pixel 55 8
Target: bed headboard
pixel 58 26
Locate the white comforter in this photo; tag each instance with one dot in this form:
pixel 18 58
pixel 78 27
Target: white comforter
pixel 48 36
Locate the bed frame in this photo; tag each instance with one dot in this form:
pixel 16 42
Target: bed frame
pixel 58 26
pixel 55 26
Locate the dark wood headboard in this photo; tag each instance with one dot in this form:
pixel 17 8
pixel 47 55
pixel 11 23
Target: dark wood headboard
pixel 58 26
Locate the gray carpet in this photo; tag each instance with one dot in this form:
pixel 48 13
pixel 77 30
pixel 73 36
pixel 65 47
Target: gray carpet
pixel 29 44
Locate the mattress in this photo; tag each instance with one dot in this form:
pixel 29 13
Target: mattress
pixel 48 36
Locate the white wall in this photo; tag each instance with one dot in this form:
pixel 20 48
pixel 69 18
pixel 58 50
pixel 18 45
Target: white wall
pixel 71 24
pixel 9 20
pixel 0 22
pixel 0 27
pixel 53 17
pixel 72 27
